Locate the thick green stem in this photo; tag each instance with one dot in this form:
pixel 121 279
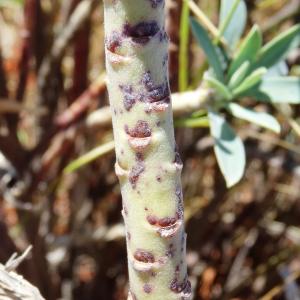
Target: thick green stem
pixel 148 164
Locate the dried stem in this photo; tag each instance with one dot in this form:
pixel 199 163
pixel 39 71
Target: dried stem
pixel 14 286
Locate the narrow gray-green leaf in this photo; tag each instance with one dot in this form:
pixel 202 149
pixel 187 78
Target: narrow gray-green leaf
pixel 278 48
pixel 279 69
pixel 277 90
pixel 192 122
pixel 89 157
pixel 239 75
pixel 220 88
pixel 260 118
pixel 209 49
pixel 248 49
pixel 229 149
pixel 254 78
pixel 237 23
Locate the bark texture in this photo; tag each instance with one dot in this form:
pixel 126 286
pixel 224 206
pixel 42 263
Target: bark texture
pixel 148 164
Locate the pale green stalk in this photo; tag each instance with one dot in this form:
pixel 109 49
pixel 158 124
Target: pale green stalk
pixel 148 164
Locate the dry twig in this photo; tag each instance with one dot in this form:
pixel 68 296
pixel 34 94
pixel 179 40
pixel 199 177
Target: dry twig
pixel 14 286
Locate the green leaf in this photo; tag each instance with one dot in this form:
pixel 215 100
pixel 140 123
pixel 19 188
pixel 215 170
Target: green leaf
pixel 209 49
pixel 239 75
pixel 260 118
pixel 278 48
pixel 279 69
pixel 7 3
pixel 234 19
pixel 222 90
pixel 248 49
pixel 198 113
pixel 254 78
pixel 277 90
pixel 89 157
pixel 183 47
pixel 229 149
pixel 192 122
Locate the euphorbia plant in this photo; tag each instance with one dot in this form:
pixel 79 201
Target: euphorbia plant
pixel 148 164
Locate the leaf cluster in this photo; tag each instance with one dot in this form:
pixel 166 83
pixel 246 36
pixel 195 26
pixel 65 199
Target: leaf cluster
pixel 239 69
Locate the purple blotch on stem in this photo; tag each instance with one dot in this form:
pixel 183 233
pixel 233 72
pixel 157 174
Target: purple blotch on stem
pixel 144 256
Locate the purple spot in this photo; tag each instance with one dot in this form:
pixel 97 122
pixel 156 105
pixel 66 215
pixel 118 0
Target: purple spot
pixel 130 97
pixel 155 3
pixel 139 156
pixel 178 192
pixel 155 93
pixel 129 236
pixel 184 287
pixel 152 220
pixel 163 222
pixel 165 60
pixel 177 159
pixel 171 251
pixel 135 173
pixel 144 256
pixel 148 81
pixel 182 242
pixel 140 130
pixel 163 36
pixel 167 221
pixel 147 288
pixel 113 41
pixel 142 32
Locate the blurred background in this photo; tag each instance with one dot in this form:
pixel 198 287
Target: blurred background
pixel 243 242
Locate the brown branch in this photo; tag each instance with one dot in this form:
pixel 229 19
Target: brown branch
pixel 81 105
pixel 26 54
pixel 47 77
pixel 7 245
pixel 63 143
pixel 173 11
pixel 3 86
pixel 292 8
pixel 81 56
pixel 31 10
pixel 12 150
pixel 9 144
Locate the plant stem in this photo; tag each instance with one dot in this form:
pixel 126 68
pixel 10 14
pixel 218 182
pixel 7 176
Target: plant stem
pixel 205 21
pixel 148 164
pixel 182 104
pixel 226 21
pixel 183 48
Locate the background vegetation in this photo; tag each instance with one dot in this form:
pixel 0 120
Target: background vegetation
pixel 243 242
